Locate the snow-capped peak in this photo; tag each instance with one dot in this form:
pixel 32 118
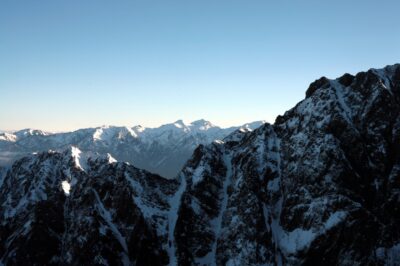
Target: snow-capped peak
pixel 202 124
pixel 107 133
pixel 8 137
pixel 29 132
pixel 153 149
pixel 179 123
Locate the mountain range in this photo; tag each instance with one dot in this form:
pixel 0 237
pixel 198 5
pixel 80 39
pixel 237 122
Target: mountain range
pixel 320 186
pixel 162 150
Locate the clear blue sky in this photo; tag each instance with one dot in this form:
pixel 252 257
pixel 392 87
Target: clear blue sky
pixel 72 64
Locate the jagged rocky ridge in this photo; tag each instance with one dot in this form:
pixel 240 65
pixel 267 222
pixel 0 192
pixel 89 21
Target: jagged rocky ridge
pixel 321 186
pixel 54 211
pixel 163 150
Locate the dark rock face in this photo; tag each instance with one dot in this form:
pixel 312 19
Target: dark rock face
pixel 338 151
pixel 32 214
pixel 110 218
pixel 114 214
pixel 195 231
pixel 321 186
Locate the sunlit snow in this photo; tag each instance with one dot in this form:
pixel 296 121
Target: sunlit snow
pixel 66 187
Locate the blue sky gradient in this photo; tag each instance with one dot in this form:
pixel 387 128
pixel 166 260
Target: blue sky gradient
pixel 71 64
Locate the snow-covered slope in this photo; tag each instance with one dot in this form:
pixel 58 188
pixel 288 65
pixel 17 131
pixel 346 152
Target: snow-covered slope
pixel 161 150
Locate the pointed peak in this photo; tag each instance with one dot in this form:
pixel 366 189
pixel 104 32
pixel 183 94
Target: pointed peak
pixel 179 123
pixel 320 83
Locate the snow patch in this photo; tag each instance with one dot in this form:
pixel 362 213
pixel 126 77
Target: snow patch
pixel 219 142
pixel 66 187
pixel 111 159
pixel 300 239
pixel 75 153
pixel 180 124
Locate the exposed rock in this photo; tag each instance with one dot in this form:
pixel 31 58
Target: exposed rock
pixel 316 85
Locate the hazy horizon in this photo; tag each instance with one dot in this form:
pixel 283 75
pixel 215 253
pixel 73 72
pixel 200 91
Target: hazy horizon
pixel 130 126
pixel 67 65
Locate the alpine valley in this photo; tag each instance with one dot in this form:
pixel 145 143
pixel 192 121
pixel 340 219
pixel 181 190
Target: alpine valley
pixel 320 186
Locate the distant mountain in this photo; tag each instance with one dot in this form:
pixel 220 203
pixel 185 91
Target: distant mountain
pixel 161 150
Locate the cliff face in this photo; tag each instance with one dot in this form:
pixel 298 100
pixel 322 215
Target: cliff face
pixel 321 186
